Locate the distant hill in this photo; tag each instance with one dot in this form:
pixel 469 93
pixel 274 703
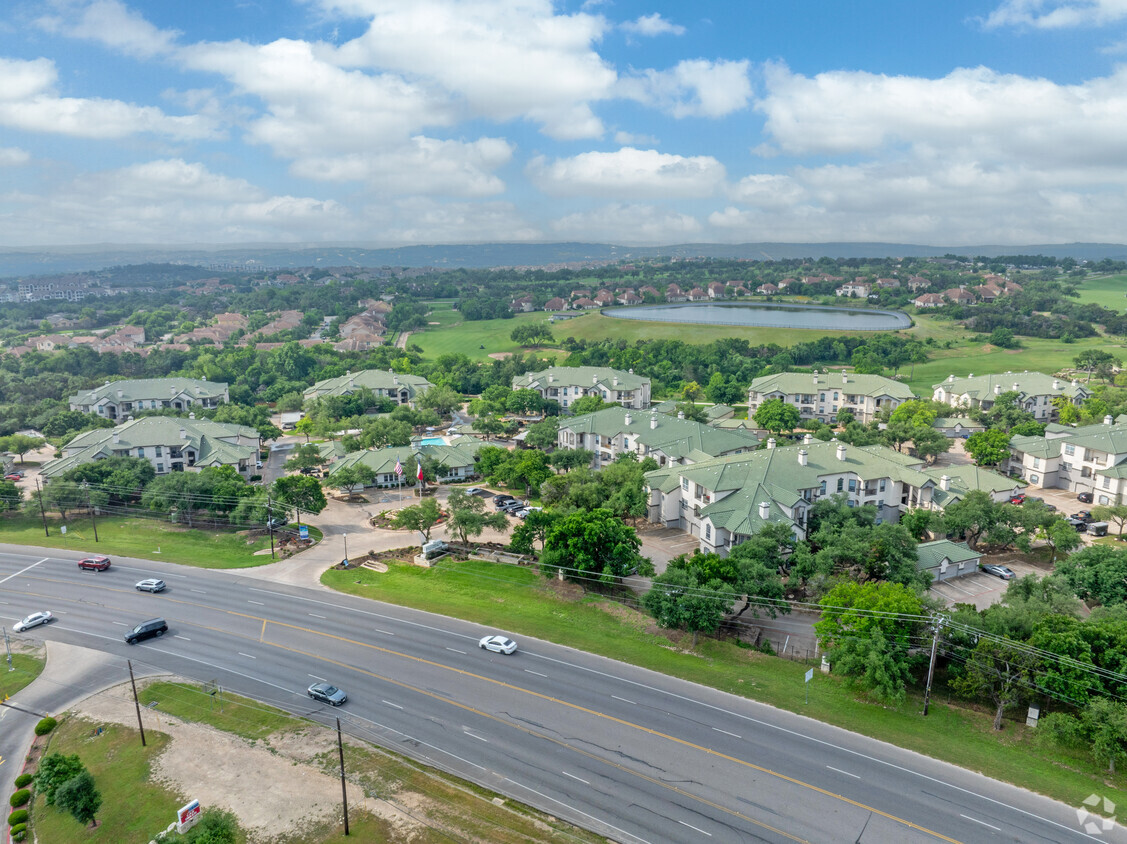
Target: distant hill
pixel 257 256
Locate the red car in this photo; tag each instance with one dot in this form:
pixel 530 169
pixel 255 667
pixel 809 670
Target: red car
pixel 14 476
pixel 97 562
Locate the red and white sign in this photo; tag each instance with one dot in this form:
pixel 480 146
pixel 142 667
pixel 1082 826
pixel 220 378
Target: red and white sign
pixel 187 816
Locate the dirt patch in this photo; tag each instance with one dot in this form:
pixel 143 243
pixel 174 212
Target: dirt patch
pixel 224 770
pixel 500 355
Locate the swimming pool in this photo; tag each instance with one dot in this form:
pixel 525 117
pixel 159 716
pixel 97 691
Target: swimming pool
pixel 432 441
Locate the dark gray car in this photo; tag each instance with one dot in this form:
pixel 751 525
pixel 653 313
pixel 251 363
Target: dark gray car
pixel 327 693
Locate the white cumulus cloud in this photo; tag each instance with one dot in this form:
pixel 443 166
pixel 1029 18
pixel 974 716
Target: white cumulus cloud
pixel 107 22
pixel 631 225
pixel 629 173
pixel 13 156
pixel 693 88
pixel 651 25
pixel 1056 14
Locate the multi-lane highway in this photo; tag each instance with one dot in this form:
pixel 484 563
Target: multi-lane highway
pixel 633 755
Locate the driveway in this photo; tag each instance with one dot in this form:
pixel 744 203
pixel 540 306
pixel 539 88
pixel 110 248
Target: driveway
pixel 981 589
pixel 663 544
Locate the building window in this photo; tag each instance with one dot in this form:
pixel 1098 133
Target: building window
pixel 1070 450
pixel 158 451
pixel 1103 499
pixel 1036 462
pixel 1034 479
pixel 160 468
pixel 1107 483
pixel 708 531
pixel 852 485
pixel 822 488
pixel 141 451
pixel 882 484
pixel 840 484
pixel 685 484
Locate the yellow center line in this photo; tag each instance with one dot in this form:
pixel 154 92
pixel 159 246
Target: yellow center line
pixel 548 698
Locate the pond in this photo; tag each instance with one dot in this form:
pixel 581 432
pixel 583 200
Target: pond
pixel 764 315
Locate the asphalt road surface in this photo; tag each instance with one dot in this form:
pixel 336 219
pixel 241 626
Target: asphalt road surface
pixel 633 755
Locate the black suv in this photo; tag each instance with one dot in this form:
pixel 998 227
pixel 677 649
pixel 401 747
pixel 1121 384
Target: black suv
pixel 146 630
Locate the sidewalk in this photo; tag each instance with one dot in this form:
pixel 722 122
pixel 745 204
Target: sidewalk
pixel 70 675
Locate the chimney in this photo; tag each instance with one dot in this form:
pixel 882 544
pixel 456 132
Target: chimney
pixel 116 438
pixel 594 379
pixel 1075 382
pixel 627 419
pixel 1015 388
pixel 395 380
pixel 551 378
pixel 950 378
pixel 997 389
pixel 121 394
pixel 1056 384
pixel 809 438
pixel 771 443
pixel 945 483
pixel 631 371
pixel 841 452
pixel 764 510
pixel 191 416
pixel 680 414
pixel 815 379
pixel 183 434
pixel 844 377
pixel 802 457
pixel 653 420
pixel 1108 420
pixel 616 380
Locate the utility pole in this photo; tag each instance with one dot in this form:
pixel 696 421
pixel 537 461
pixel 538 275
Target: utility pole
pixel 270 524
pixel 343 786
pixel 39 494
pixel 93 519
pixel 8 648
pixel 136 702
pixel 938 623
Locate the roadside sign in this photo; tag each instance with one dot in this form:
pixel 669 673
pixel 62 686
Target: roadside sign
pixel 63 530
pixel 809 677
pixel 187 816
pixel 303 532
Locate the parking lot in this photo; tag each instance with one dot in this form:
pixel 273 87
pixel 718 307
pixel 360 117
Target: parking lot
pixel 663 544
pixel 979 588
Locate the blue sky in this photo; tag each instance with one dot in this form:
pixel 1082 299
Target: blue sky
pixel 390 122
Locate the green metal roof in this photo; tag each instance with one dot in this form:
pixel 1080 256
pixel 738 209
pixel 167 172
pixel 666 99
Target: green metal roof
pixel 1028 383
pixel 151 389
pixel 802 383
pixel 382 461
pixel 580 376
pixel 931 554
pixel 675 437
pixel 373 379
pixel 1036 446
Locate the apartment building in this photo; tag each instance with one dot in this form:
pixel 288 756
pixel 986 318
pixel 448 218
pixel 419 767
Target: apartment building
pixel 822 395
pixel 1036 391
pixel 118 399
pixel 565 384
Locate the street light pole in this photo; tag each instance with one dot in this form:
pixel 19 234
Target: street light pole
pixel 93 518
pixel 345 535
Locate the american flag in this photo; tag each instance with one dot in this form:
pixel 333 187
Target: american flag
pixel 398 468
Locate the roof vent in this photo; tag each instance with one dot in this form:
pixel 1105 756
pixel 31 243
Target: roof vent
pixel 653 420
pixel 803 457
pixel 680 414
pixel 950 378
pixel 1075 382
pixel 1015 387
pixel 997 389
pixel 121 394
pixel 595 379
pixel 1056 384
pixel 627 419
pixel 551 377
pixel 945 483
pixel 1108 420
pixel 183 434
pixel 116 438
pixel 631 371
pixel 771 443
pixel 764 510
pixel 191 416
pixel 809 438
pixel 841 452
pixel 616 380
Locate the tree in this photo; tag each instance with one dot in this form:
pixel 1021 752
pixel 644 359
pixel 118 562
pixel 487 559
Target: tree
pixel 776 416
pixel 80 797
pixel 691 411
pixel 1098 572
pixel 1116 513
pixel 524 402
pixel 531 335
pixel 1006 412
pixel 301 493
pixel 678 599
pixel 915 413
pixel 421 517
pixel 468 517
pixel 988 448
pixel 570 458
pixel 1001 671
pixel 1059 536
pixel 441 399
pixel 872 628
pixel 306 458
pixel 543 435
pixel 1003 338
pixel 21 444
pixel 349 479
pixel 64 496
pixel 215 827
pixel 592 544
pixel 1092 359
pixel 929 443
pixel 54 770
pixel 692 392
pixel 589 404
pixel 489 425
pixel 10 496
pixel 972 517
pixel 533 528
pixel 1105 724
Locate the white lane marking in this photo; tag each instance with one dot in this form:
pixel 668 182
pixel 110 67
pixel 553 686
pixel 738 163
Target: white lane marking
pixel 976 820
pixel 393 705
pixel 122 623
pixel 315 677
pixel 354 717
pixel 248 656
pixel 690 826
pixel 725 732
pixel 250 677
pixel 317 616
pixel 149 571
pixel 256 602
pixel 201 591
pixel 621 832
pixel 185 638
pixel 624 700
pixel 5 603
pixel 21 571
pixel 537 673
pixel 337 608
pixel 385 632
pixel 574 777
pixel 479 738
pixel 840 771
pixel 455 650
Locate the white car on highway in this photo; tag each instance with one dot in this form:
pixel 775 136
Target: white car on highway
pixel 498 644
pixel 33 620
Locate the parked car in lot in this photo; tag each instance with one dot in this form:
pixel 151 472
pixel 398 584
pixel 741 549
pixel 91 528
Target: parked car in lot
pixel 474 490
pixel 33 620
pixel 1003 572
pixel 502 498
pixel 498 644
pixel 523 512
pixel 327 693
pixel 1097 528
pixel 1079 525
pixel 1082 515
pixel 96 562
pixel 1084 498
pixel 150 584
pixel 13 476
pixel 1017 498
pixel 511 507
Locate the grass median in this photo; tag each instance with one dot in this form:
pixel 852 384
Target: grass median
pixel 145 538
pixel 25 668
pixel 518 601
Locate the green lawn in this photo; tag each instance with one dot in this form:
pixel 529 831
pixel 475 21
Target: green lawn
pixel 26 667
pixel 148 538
pixel 518 600
pixel 456 335
pixel 1108 290
pixel 223 710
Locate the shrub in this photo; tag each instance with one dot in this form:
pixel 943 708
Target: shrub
pixel 17 817
pixel 20 798
pixel 45 726
pixel 24 779
pixel 21 835
pixel 18 828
